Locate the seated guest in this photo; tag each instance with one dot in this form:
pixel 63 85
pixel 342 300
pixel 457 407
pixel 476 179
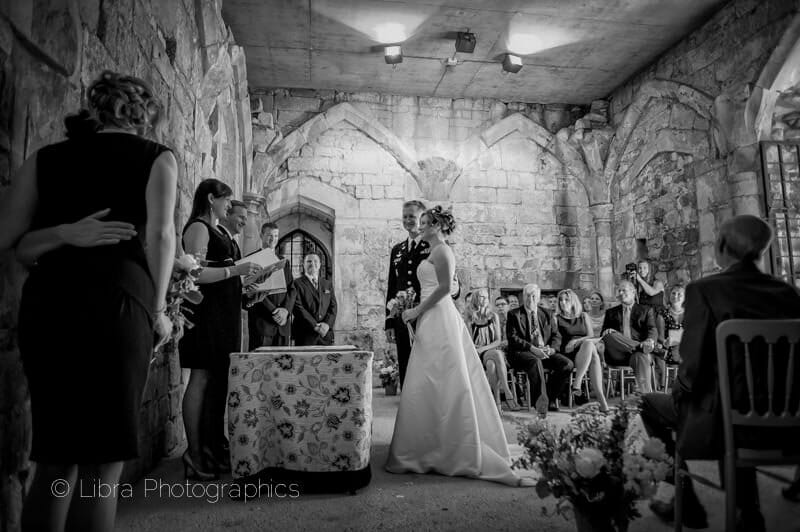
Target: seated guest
pixel 315 306
pixel 693 408
pixel 484 325
pixel 532 334
pixel 578 345
pixel 629 335
pixel 649 290
pixel 669 322
pixel 596 311
pixel 268 315
pixel 513 302
pixel 501 308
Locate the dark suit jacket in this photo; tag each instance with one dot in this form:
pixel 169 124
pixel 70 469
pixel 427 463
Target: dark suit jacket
pixel 259 316
pixel 313 306
pixel 643 322
pixel 519 335
pixel 403 271
pixel 742 292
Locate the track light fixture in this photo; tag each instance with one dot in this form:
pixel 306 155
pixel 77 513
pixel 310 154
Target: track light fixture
pixel 512 63
pixel 465 42
pixel 393 54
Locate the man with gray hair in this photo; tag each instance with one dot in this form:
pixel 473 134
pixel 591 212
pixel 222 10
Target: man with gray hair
pixel 532 334
pixel 693 410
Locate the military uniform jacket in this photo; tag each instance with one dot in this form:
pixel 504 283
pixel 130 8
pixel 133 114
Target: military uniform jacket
pixel 403 270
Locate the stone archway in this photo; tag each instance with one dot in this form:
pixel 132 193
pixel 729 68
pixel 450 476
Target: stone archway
pixel 316 126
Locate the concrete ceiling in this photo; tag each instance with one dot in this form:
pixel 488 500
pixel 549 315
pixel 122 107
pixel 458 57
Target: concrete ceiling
pixel 574 51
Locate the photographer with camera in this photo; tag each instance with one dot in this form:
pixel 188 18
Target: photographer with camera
pixel 649 290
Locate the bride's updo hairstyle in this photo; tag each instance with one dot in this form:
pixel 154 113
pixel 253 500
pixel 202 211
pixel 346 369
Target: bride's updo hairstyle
pixel 116 100
pixel 443 218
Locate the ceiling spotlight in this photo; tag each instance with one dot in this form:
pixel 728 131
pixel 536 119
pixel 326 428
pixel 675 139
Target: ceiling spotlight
pixel 512 63
pixel 393 54
pixel 465 42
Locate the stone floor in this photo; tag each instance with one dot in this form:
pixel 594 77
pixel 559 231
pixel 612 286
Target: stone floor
pixel 395 502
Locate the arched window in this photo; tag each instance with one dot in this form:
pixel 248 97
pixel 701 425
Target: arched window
pixel 297 245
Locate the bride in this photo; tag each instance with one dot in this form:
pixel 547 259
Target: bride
pixel 447 421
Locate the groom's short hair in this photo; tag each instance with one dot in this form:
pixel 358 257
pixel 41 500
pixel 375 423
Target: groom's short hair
pixel 416 204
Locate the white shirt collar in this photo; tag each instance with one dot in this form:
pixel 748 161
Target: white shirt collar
pixel 417 240
pixel 312 279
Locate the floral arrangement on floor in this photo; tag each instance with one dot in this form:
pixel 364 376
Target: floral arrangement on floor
pixel 182 287
pixel 404 300
pixel 388 371
pixel 592 466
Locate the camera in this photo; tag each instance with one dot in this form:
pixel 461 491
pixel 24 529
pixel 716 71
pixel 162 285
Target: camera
pixel 630 272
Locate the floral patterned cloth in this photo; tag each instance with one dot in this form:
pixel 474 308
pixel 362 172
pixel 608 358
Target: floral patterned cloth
pixel 301 411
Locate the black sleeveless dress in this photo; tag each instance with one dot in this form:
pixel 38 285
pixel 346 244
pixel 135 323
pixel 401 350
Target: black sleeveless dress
pixel 570 328
pixel 85 323
pixel 217 330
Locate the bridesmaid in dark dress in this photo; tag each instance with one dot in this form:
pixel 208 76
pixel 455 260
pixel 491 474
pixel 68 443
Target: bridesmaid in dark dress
pixel 92 217
pixel 205 348
pixel 649 290
pixel 579 345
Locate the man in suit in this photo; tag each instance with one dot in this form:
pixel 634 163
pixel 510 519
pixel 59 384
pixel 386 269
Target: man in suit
pixel 532 334
pixel 403 261
pixel 268 320
pixel 629 335
pixel 233 224
pixel 315 306
pixel 741 290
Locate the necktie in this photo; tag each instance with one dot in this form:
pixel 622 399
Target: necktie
pixel 626 321
pixel 314 282
pixel 535 334
pixel 413 246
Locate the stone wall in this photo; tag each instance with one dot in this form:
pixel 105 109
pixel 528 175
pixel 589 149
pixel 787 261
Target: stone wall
pixel 49 53
pixel 522 215
pixel 700 104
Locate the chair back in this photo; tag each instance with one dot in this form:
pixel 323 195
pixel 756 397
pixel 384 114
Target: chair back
pixel 772 394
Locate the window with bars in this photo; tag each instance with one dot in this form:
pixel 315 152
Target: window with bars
pixel 297 245
pixel 780 181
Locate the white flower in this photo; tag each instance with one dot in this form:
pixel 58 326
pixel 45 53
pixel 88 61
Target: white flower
pixel 391 304
pixel 654 449
pixel 589 462
pixel 186 263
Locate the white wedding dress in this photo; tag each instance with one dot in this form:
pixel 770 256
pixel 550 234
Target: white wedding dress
pixel 447 421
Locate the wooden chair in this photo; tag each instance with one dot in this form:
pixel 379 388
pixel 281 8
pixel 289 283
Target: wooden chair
pixel 622 374
pixel 584 384
pixel 748 330
pixel 670 374
pixel 520 377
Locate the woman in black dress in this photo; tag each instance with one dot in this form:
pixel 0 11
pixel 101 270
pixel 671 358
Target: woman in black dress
pixel 578 344
pixel 205 348
pixel 669 322
pixel 92 217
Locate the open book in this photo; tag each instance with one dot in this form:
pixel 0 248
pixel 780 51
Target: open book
pixel 270 278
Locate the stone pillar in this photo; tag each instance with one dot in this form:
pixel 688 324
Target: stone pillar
pixel 251 240
pixel 601 215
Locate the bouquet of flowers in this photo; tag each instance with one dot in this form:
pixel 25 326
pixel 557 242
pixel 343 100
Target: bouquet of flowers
pixel 404 300
pixel 388 371
pixel 592 466
pixel 182 287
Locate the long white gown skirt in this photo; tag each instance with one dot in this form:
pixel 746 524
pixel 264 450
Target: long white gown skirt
pixel 447 421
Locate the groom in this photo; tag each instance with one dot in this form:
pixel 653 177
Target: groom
pixel 403 262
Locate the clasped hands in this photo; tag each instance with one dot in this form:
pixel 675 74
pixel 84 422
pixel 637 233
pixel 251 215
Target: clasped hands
pixel 280 315
pixel 542 353
pixel 321 328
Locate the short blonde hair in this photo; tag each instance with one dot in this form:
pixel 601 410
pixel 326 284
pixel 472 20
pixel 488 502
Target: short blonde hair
pixel 575 306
